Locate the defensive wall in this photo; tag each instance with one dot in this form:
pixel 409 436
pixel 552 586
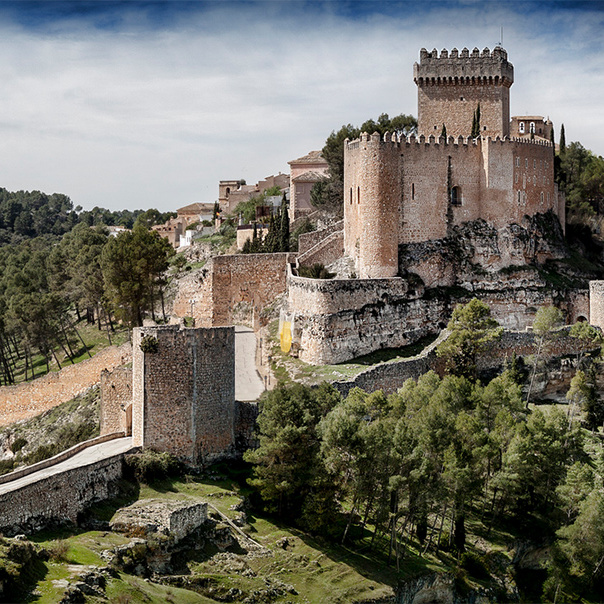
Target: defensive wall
pixel 116 401
pixel 59 497
pixel 339 319
pixel 420 187
pixel 32 398
pixel 596 303
pixel 211 294
pixel 390 376
pixel 306 241
pixel 183 391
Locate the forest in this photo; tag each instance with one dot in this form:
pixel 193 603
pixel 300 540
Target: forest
pixel 416 469
pixel 59 265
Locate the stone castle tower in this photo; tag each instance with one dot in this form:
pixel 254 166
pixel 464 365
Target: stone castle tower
pixel 401 190
pixel 451 86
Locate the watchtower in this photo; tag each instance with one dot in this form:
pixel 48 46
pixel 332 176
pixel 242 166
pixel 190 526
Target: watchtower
pixel 451 86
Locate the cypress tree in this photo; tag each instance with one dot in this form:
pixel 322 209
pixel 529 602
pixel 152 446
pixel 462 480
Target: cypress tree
pixel 443 132
pixel 284 231
pixel 562 140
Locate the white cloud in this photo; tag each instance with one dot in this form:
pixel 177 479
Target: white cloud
pixel 142 117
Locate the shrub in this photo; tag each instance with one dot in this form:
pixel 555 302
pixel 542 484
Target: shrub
pixel 57 550
pixel 149 344
pixel 18 444
pixel 475 565
pixel 149 465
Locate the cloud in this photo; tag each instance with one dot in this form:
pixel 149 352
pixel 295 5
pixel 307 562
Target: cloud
pixel 140 105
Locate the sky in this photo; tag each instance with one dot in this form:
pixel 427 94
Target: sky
pixel 140 104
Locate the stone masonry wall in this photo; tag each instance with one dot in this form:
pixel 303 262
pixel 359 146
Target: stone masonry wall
pixel 226 281
pixel 309 240
pixel 327 251
pixel 32 398
pixel 339 319
pixel 391 376
pixel 59 497
pixel 596 303
pixel 116 398
pixel 184 394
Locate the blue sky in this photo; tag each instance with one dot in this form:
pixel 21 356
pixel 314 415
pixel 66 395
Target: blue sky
pixel 149 104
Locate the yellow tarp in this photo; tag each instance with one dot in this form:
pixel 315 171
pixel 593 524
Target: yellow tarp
pixel 286 336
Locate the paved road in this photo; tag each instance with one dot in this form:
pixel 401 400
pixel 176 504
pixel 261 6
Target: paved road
pixel 85 457
pixel 248 383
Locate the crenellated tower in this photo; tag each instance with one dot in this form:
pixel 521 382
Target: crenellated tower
pixel 451 85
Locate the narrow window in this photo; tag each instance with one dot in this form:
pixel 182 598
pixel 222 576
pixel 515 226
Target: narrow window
pixel 548 197
pixel 541 196
pixel 350 195
pixel 532 128
pixel 412 190
pixel 518 196
pixel 526 163
pixel 516 176
pixel 455 196
pixel 534 163
pixel 358 194
pixel 521 127
pixel 518 162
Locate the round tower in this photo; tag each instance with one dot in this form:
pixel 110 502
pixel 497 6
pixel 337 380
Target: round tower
pixel 451 87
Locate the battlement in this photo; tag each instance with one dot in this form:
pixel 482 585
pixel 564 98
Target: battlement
pixel 464 68
pixel 397 141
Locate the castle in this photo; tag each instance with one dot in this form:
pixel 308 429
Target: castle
pixel 468 205
pixel 424 185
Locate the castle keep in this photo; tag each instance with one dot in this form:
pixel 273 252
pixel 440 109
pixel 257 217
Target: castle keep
pixel 407 190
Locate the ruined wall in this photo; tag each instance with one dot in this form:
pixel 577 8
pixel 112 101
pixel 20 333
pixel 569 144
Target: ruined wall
pixel 184 394
pixel 116 400
pixel 450 86
pixel 225 281
pixel 391 376
pixel 339 319
pixel 32 398
pixel 58 497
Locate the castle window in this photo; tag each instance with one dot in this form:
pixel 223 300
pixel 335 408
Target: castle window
pixel 228 191
pixel 521 127
pixel 518 162
pixel 412 190
pixel 534 180
pixel 358 194
pixel 548 197
pixel 484 127
pixel 519 197
pixel 350 195
pixel 516 177
pixel 455 196
pixel 534 163
pixel 541 196
pixel 532 128
pixel 526 163
pixel 461 98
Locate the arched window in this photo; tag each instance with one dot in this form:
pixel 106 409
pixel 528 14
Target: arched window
pixel 455 196
pixel 521 127
pixel 228 191
pixel 532 128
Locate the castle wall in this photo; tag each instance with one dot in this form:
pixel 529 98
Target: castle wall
pixel 403 190
pixel 184 394
pixel 227 281
pixel 308 240
pixel 326 252
pixel 116 398
pixel 32 398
